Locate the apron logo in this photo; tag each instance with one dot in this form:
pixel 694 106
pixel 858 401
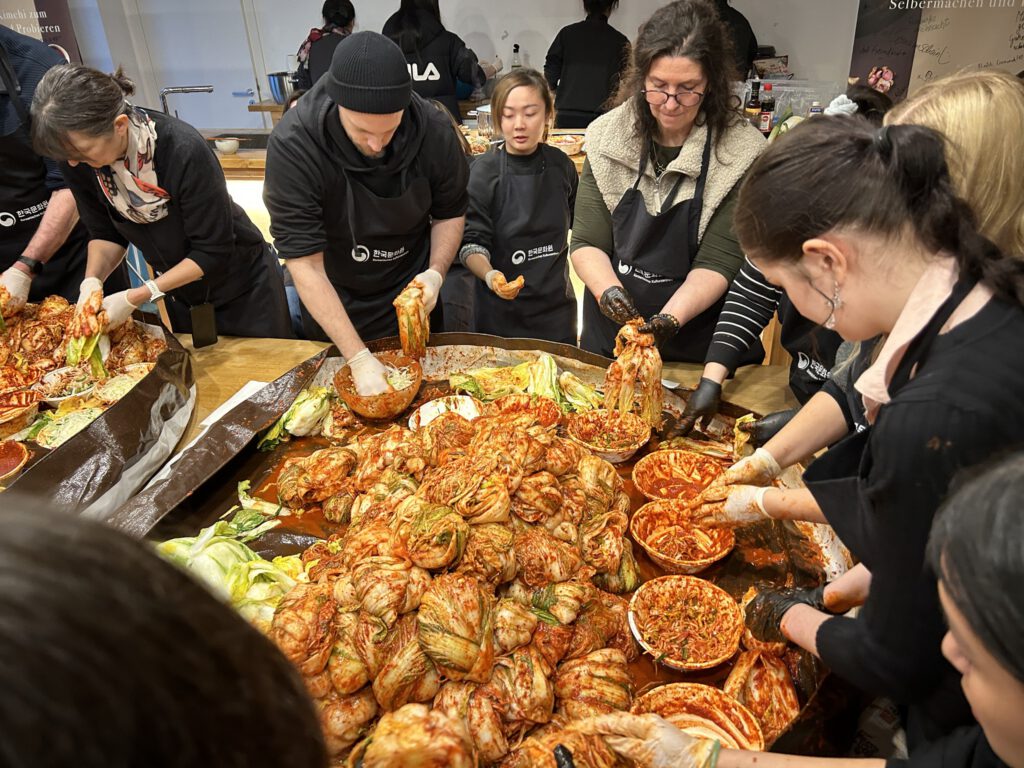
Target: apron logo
pixel 624 268
pixel 7 219
pixel 518 257
pixel 360 253
pixel 430 73
pixel 814 369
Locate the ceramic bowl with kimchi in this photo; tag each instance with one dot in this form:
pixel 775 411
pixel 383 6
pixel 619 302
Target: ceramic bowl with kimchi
pixel 686 623
pixel 667 534
pixel 404 374
pixel 704 713
pixel 610 435
pixel 675 474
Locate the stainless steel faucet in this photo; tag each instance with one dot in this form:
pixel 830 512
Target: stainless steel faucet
pixel 181 89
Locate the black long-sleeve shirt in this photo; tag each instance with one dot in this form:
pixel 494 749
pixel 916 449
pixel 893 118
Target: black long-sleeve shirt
pixel 961 408
pixel 964 748
pixel 583 65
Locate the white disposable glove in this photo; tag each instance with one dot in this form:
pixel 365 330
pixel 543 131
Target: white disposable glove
pixel 17 282
pixel 431 281
pixel 500 286
pixel 88 287
pixel 118 309
pixel 651 741
pixel 731 505
pixel 759 468
pixel 368 374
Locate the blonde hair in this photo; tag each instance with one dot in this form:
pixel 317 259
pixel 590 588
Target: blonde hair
pixel 527 78
pixel 981 116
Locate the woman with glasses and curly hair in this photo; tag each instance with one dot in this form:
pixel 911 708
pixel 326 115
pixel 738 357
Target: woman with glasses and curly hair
pixel 652 232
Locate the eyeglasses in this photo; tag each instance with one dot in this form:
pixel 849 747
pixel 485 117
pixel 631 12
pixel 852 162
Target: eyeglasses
pixel 683 97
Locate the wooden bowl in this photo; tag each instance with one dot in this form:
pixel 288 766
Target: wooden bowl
pixel 17 410
pixel 570 143
pixel 387 405
pixel 613 436
pixel 704 712
pixel 675 474
pixel 13 456
pixel 677 603
pixel 659 519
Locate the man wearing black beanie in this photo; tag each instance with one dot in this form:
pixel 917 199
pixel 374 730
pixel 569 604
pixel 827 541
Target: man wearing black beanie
pixel 366 189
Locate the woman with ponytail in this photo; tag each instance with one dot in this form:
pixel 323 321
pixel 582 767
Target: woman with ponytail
pixel 864 230
pixel 148 179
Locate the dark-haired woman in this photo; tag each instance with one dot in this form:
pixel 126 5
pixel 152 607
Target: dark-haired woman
pixel 652 235
pixel 584 64
pixel 517 226
pixel 436 57
pixel 314 56
pixel 862 228
pixel 148 179
pixel 975 549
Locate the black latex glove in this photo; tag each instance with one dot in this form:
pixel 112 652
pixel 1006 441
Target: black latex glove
pixel 764 613
pixel 663 326
pixel 563 757
pixel 617 305
pixel 702 405
pixel 763 430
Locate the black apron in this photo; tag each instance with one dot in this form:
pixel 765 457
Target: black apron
pixel 812 347
pixel 653 255
pixel 24 198
pixel 531 232
pixel 391 245
pixel 838 481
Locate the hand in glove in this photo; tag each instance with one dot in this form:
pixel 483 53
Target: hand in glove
pixel 431 281
pixel 368 374
pixel 664 326
pixel 88 287
pixel 651 741
pixel 16 282
pixel 118 309
pixel 731 505
pixel 763 430
pixel 765 612
pixel 500 286
pixel 701 406
pixel 617 305
pixel 759 468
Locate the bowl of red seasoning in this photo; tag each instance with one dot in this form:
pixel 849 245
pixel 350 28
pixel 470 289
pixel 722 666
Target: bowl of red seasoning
pixel 675 474
pixel 610 435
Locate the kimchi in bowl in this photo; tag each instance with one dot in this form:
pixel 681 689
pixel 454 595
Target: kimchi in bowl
pixel 675 474
pixel 405 376
pixel 611 435
pixel 705 713
pixel 686 623
pixel 667 534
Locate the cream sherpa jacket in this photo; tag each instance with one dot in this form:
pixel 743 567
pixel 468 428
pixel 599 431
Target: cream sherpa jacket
pixel 614 154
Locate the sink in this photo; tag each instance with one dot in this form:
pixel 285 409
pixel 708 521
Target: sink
pixel 246 139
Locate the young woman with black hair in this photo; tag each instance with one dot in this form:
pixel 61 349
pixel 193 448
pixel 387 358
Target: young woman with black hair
pixel 584 64
pixel 652 233
pixel 975 549
pixel 149 179
pixel 436 57
pixel 314 56
pixel 862 228
pixel 111 657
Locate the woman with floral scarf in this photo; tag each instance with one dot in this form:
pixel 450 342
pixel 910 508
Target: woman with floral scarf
pixel 317 49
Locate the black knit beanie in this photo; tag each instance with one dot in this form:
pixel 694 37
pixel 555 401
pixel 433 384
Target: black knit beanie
pixel 368 74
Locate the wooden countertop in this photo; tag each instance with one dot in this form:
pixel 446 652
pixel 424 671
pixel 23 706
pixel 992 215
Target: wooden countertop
pixel 222 369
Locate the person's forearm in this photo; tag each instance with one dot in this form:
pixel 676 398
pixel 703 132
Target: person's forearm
pixel 182 273
pixel 322 302
pixel 478 263
pixel 715 372
pixel 445 239
pixel 800 626
pixel 849 590
pixel 103 257
pixel 700 289
pixel 817 425
pixel 735 758
pixel 792 504
pixel 595 270
pixel 54 227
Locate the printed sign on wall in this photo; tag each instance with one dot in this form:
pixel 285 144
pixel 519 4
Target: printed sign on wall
pixel 46 20
pixel 901 44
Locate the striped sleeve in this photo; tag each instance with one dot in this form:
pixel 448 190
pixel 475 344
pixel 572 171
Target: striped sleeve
pixel 748 309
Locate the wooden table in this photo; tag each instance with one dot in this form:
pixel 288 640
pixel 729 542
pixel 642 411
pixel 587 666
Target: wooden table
pixel 221 370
